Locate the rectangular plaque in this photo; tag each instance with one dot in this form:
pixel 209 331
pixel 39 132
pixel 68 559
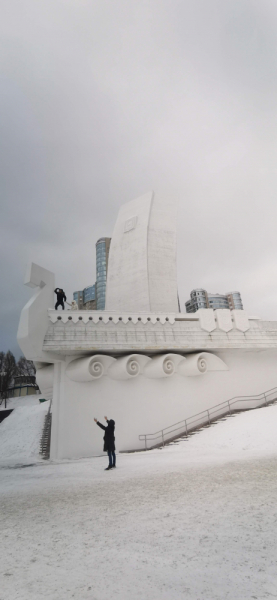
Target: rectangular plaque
pixel 130 224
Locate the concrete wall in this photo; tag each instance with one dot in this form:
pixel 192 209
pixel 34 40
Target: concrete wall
pixel 146 405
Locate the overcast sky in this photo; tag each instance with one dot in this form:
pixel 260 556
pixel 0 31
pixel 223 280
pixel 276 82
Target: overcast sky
pixel 103 100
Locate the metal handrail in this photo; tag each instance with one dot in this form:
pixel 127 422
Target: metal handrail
pixel 187 424
pixel 46 434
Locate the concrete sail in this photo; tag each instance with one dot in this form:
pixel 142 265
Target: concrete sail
pixel 142 272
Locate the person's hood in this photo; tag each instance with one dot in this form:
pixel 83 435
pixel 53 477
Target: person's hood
pixel 111 423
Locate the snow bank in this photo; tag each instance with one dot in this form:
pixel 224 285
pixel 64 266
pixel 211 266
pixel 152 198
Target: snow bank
pixel 21 401
pixel 20 433
pixel 251 434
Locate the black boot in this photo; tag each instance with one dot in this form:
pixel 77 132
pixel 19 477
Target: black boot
pixel 108 468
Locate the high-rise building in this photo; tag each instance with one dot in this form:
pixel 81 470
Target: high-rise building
pixel 235 302
pixel 89 296
pixel 78 297
pixel 86 299
pixel 93 297
pixel 200 298
pixel 102 258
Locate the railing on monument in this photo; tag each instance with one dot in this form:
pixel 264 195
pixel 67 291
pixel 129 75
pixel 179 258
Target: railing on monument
pixel 206 417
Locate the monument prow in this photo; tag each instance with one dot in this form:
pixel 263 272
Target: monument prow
pixel 33 323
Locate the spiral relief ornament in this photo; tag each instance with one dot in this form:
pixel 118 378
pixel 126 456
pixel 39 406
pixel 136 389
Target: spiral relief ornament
pixel 132 367
pixel 89 368
pixel 199 364
pixel 92 368
pixel 128 367
pixel 96 368
pixel 168 366
pixel 202 364
pixel 164 365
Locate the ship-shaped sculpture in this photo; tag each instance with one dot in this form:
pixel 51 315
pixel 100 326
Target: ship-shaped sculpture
pixel 140 361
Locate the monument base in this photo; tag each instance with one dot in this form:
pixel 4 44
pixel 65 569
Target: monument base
pixel 144 405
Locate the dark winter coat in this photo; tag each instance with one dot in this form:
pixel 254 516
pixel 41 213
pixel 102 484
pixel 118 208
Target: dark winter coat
pixel 109 439
pixel 60 295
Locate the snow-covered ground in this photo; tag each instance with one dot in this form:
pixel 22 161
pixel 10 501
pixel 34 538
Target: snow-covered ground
pixel 193 521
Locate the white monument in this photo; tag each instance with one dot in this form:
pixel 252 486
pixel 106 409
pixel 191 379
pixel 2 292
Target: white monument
pixel 142 263
pixel 140 361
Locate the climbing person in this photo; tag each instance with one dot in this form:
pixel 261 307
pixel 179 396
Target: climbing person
pixel 109 441
pixel 61 298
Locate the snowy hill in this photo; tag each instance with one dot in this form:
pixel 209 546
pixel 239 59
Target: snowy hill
pixel 20 433
pixel 250 434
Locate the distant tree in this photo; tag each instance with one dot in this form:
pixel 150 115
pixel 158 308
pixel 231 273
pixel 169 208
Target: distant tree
pixel 25 367
pixel 7 373
pixel 2 357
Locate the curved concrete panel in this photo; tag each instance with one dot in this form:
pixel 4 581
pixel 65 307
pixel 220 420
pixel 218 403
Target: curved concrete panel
pixel 128 367
pixel 198 364
pixel 45 380
pixel 88 368
pixel 142 272
pixel 163 366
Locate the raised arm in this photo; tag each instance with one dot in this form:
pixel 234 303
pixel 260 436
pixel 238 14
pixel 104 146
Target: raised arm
pixel 100 425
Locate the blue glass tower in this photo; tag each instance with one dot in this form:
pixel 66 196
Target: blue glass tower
pixel 102 257
pixel 86 298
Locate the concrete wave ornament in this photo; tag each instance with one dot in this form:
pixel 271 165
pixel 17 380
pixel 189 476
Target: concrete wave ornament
pixel 163 366
pixel 199 364
pixel 128 367
pixel 89 369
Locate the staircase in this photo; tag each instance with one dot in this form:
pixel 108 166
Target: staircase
pixel 46 435
pixel 183 429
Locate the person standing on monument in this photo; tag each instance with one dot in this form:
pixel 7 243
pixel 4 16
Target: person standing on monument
pixel 109 441
pixel 61 298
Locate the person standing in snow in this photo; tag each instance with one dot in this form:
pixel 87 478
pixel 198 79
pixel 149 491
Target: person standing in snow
pixel 61 298
pixel 109 441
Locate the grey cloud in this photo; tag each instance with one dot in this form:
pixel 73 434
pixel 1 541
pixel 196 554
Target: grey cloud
pixel 103 101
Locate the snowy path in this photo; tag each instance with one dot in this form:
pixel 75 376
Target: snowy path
pixel 197 533
pixel 173 524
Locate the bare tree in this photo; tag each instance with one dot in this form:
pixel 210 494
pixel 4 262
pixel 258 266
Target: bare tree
pixel 2 358
pixel 8 370
pixel 25 367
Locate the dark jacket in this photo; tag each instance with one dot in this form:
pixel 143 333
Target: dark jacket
pixel 60 295
pixel 109 439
